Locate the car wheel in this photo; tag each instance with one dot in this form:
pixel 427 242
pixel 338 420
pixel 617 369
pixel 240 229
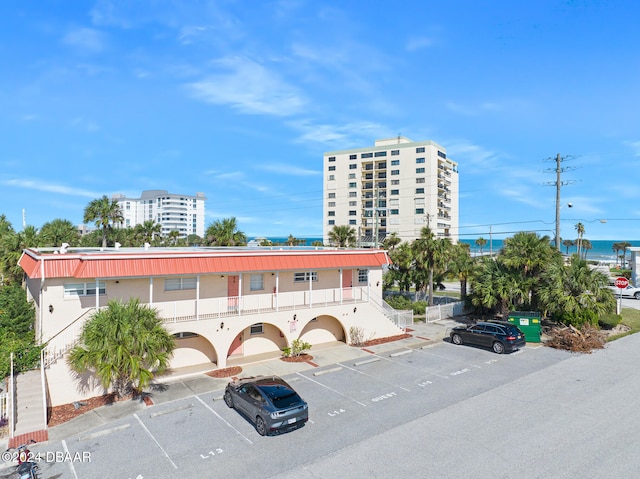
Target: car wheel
pixel 261 427
pixel 498 347
pixel 456 339
pixel 637 295
pixel 228 399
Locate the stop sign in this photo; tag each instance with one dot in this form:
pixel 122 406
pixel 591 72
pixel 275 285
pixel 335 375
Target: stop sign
pixel 622 283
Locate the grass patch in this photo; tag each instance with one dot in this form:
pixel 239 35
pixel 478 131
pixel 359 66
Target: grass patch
pixel 630 318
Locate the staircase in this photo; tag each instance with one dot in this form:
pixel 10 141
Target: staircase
pixel 30 410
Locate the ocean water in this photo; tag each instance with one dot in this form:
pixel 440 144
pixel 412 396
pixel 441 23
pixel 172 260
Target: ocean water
pixel 602 249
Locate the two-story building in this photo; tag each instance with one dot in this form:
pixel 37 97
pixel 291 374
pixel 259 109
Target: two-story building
pixel 221 304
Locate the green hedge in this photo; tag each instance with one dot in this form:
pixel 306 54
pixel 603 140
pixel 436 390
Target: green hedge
pixel 609 321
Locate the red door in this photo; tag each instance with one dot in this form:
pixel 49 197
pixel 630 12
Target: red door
pixel 236 345
pixel 347 282
pixel 233 288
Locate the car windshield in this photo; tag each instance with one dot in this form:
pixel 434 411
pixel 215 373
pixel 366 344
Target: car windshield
pixel 281 396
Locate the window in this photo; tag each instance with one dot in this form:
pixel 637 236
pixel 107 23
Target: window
pixel 256 282
pixel 395 192
pixel 441 154
pixel 395 152
pixel 332 168
pixel 381 166
pixel 332 158
pixel 395 172
pixel 179 284
pixel 419 170
pixel 420 150
pixel 257 328
pixel 395 182
pixel 331 222
pixel 304 276
pixel 366 155
pixel 380 153
pixel 84 289
pixel 353 166
pixel 420 180
pixel 419 160
pixel 184 335
pixel 353 213
pixel 353 222
pixel 353 157
pixel 332 204
pixel 395 162
pixel 394 212
pixel 363 276
pixel 332 195
pixel 332 177
pixel 353 185
pixel 352 176
pixel 353 194
pixel 419 211
pixel 419 191
pixel 331 213
pixel 353 203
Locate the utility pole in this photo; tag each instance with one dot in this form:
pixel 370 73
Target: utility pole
pixel 558 183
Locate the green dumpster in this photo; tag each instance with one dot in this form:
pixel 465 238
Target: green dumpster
pixel 529 324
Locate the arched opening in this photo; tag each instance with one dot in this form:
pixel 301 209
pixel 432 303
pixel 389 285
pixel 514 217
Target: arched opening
pixel 323 329
pixel 191 348
pixel 258 339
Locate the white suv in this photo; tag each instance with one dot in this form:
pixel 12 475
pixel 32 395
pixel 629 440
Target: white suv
pixel 628 292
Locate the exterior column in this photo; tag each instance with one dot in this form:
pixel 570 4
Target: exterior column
pixel 340 275
pixel 277 288
pixel 151 291
pixel 97 294
pixel 310 288
pixel 197 297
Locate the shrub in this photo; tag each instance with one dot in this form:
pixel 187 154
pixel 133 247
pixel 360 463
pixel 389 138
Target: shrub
pixel 356 333
pixel 578 318
pixel 419 307
pixel 400 302
pixel 609 321
pixel 298 348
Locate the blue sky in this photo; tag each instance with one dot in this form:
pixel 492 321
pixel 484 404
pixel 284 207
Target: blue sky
pixel 239 99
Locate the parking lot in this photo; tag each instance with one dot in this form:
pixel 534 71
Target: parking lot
pixel 349 402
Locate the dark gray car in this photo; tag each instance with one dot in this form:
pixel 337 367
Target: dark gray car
pixel 268 402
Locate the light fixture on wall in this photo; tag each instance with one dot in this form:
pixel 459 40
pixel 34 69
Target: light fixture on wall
pixel 355 309
pixel 272 274
pixel 221 325
pixel 51 308
pixel 295 316
pixel 222 276
pixel 377 284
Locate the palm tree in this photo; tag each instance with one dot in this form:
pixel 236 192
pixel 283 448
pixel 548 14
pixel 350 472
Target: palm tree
pixel 429 254
pixel 105 213
pixel 11 246
pixel 124 345
pixel 391 241
pixel 400 269
pixel 342 236
pixel 616 248
pixel 461 264
pixel 481 242
pixel 586 246
pixel 580 230
pixel 225 232
pixel 568 244
pixel 148 231
pixel 495 285
pixel 59 231
pixel 623 246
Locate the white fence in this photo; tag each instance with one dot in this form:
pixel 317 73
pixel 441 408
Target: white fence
pixel 4 407
pixel 442 311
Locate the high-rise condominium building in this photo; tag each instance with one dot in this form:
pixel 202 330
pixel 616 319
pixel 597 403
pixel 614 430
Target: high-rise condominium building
pixel 397 186
pixel 181 213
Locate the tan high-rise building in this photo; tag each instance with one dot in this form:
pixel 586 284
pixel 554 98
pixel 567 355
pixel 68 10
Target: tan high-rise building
pixel 397 186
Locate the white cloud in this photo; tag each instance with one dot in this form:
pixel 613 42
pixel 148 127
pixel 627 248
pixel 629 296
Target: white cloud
pixel 86 40
pixel 349 133
pixel 284 169
pixel 418 43
pixel 48 187
pixel 635 146
pixel 468 155
pixel 84 124
pixel 250 88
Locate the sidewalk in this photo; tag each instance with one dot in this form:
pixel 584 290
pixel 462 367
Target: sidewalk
pixel 196 381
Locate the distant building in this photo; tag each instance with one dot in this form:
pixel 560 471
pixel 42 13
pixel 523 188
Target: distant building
pixel 397 186
pixel 181 213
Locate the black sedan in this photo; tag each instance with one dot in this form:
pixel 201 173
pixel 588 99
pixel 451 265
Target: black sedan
pixel 499 336
pixel 269 402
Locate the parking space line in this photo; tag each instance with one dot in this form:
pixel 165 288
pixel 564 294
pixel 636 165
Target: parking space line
pixel 104 432
pixel 223 420
pixel 155 440
pixel 66 453
pixel 333 390
pixel 452 359
pixel 172 410
pixel 413 367
pixel 374 377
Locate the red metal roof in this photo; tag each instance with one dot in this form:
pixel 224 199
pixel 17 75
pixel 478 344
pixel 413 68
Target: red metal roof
pixel 120 264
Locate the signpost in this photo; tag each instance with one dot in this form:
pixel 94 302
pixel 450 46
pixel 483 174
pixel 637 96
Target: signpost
pixel 621 283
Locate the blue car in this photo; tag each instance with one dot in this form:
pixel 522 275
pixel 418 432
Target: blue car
pixel 500 336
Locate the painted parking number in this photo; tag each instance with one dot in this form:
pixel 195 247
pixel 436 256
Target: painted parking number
pixel 336 412
pixel 383 397
pixel 211 453
pixel 424 383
